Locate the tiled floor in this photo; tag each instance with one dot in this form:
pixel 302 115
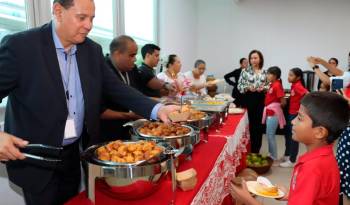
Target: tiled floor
pixel 278 175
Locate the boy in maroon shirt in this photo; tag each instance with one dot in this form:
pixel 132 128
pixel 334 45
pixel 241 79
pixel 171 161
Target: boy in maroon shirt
pixel 315 180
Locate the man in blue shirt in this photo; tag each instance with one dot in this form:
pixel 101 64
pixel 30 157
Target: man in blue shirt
pixel 54 77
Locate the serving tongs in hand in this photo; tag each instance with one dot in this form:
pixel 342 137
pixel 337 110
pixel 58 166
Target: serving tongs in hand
pixel 42 152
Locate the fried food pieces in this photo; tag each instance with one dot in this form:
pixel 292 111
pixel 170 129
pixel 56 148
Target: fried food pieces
pixel 159 129
pixel 118 151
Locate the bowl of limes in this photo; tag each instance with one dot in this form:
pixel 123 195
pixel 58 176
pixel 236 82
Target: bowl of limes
pixel 259 163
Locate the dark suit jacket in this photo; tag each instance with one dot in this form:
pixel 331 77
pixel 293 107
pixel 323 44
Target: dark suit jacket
pixel 239 98
pixel 37 111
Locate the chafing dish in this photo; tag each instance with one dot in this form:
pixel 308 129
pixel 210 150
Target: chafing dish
pixel 129 181
pixel 202 124
pixel 219 110
pixel 178 142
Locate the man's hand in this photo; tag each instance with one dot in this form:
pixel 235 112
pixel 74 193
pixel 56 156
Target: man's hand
pixel 165 110
pixel 9 145
pixel 134 116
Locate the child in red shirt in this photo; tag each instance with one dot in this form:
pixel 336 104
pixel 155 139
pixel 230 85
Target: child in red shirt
pixel 273 113
pixel 315 179
pixel 297 92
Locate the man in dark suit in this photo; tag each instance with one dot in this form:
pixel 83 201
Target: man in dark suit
pixel 55 76
pixel 239 98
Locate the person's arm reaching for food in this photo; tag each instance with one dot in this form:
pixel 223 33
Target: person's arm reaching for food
pixel 109 114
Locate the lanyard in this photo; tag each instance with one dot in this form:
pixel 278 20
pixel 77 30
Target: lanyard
pixel 68 58
pixel 127 80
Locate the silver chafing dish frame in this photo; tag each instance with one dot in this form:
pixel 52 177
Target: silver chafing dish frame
pixel 177 142
pixel 95 169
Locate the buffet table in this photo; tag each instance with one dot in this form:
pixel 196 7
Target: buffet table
pixel 216 162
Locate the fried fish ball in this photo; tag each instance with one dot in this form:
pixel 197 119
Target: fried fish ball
pixel 138 153
pixel 104 156
pixel 139 158
pixel 109 146
pixel 138 147
pixel 120 152
pixel 129 158
pixel 101 150
pixel 123 148
pixel 121 160
pixel 115 158
pixel 157 133
pixel 116 144
pixel 154 152
pixel 131 147
pixel 146 147
pixel 147 155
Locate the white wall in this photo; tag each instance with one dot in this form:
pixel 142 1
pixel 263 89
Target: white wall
pixel 286 31
pixel 178 30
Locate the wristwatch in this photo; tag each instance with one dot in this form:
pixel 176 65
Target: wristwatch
pixel 315 67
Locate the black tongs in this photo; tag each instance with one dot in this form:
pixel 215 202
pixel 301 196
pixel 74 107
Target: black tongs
pixel 42 152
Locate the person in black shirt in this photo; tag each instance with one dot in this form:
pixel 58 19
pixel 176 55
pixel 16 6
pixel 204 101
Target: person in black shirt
pixel 121 60
pixel 239 98
pixel 150 85
pixel 321 86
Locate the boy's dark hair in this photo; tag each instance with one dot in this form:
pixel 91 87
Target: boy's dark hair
pixel 241 60
pixel 275 70
pixel 299 73
pixel 328 110
pixel 149 48
pixel 261 64
pixel 120 43
pixel 65 3
pixel 171 60
pixel 198 62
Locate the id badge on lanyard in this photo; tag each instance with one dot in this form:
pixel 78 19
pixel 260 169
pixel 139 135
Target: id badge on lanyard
pixel 70 131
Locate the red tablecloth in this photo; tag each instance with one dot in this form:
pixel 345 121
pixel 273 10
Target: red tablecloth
pixel 215 162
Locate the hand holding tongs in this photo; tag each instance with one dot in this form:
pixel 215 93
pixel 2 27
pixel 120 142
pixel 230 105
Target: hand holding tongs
pixel 42 152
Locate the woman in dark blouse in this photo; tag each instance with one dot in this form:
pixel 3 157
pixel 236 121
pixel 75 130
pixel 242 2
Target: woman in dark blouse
pixel 239 97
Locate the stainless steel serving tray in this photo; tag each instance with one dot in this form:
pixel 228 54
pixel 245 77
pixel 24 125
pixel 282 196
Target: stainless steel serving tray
pixel 200 105
pixel 178 142
pixel 137 131
pixel 126 178
pixel 202 123
pixel 105 162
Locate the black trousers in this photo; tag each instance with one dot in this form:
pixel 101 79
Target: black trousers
pixel 65 181
pixel 255 106
pixel 292 146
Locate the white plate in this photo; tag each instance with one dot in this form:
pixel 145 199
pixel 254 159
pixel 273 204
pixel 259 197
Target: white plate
pixel 251 188
pixel 236 110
